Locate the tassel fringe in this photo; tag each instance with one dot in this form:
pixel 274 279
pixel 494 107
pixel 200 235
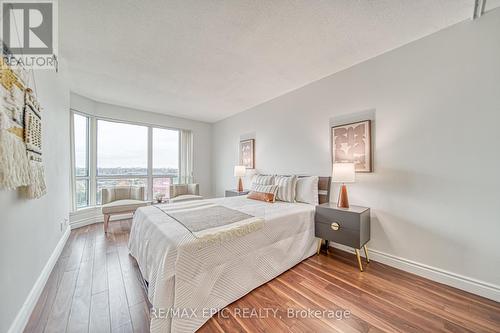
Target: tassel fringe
pixel 15 167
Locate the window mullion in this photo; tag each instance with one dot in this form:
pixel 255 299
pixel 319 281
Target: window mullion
pixel 150 164
pixel 73 163
pixel 92 160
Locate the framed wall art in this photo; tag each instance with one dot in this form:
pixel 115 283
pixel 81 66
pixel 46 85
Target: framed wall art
pixel 247 153
pixel 352 143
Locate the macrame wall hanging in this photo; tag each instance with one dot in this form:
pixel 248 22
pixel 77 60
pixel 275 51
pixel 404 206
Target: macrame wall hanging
pixel 20 135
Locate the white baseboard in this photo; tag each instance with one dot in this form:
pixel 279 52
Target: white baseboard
pixel 468 284
pixel 24 313
pixel 82 222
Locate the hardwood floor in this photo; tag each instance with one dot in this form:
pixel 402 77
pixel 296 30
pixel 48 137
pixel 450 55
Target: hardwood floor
pixel 95 287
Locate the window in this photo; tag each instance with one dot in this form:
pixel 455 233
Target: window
pixel 111 153
pixel 122 149
pixel 81 158
pixel 165 160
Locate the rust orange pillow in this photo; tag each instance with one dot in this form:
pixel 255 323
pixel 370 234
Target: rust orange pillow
pixel 262 196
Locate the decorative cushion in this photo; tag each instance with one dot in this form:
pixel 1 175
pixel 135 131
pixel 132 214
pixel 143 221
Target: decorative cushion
pixel 307 190
pixel 122 206
pixel 263 192
pixel 263 180
pixel 267 197
pixel 186 197
pixel 286 188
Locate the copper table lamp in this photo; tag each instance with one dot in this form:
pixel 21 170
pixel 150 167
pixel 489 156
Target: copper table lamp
pixel 343 173
pixel 240 171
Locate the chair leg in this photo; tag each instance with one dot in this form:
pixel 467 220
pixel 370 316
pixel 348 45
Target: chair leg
pixel 106 221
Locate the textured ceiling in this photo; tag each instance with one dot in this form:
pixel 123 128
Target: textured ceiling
pixel 209 59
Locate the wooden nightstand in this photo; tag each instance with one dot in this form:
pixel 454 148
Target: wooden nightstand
pixel 235 193
pixel 346 226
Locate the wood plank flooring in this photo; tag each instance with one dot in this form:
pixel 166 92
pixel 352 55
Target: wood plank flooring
pixel 96 287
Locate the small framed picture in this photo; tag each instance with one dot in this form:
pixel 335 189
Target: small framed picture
pixel 352 143
pixel 247 153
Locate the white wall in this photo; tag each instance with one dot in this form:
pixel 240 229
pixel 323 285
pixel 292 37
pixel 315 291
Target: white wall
pixel 30 229
pixel 435 104
pixel 202 132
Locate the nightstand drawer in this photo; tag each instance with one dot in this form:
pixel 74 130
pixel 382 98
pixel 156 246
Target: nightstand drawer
pixel 352 225
pixel 342 235
pixel 346 219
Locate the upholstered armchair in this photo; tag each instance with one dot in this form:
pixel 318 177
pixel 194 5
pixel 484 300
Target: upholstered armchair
pixel 184 192
pixel 121 200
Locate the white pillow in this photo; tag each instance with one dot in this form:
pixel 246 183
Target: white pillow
pixel 307 190
pixel 286 188
pixel 262 180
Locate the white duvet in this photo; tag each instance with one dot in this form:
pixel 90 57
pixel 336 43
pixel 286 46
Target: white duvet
pixel 188 282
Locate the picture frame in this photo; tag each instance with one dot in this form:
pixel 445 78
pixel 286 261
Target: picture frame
pixel 247 153
pixel 352 143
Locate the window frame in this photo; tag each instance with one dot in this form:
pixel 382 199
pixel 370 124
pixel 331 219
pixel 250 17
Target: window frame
pixel 93 178
pixel 77 178
pixel 150 160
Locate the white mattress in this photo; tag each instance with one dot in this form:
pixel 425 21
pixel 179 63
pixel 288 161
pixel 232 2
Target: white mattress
pixel 184 277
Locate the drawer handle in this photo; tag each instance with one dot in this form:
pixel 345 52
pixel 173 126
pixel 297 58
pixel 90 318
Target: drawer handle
pixel 335 226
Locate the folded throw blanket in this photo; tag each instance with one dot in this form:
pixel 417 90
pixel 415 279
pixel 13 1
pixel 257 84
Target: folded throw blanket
pixel 210 223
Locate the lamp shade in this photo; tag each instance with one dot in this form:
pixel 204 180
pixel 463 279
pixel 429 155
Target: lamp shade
pixel 343 173
pixel 240 170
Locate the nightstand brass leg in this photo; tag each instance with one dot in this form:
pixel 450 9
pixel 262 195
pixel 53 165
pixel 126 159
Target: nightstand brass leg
pixel 366 254
pixel 320 241
pixel 359 260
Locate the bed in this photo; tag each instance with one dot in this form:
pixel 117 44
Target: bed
pixel 188 283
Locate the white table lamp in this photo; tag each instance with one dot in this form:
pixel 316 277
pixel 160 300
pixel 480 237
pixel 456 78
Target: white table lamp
pixel 240 171
pixel 343 173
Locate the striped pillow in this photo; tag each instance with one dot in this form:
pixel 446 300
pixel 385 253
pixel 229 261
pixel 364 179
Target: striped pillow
pixel 263 192
pixel 286 188
pixel 264 188
pixel 263 180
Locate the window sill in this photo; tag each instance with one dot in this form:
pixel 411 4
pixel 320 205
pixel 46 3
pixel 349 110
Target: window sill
pixel 84 210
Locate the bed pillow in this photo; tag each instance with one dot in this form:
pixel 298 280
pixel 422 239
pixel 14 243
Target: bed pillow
pixel 265 193
pixel 263 180
pixel 307 190
pixel 286 188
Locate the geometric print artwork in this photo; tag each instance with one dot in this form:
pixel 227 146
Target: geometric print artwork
pixel 32 129
pixel 247 153
pixel 352 143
